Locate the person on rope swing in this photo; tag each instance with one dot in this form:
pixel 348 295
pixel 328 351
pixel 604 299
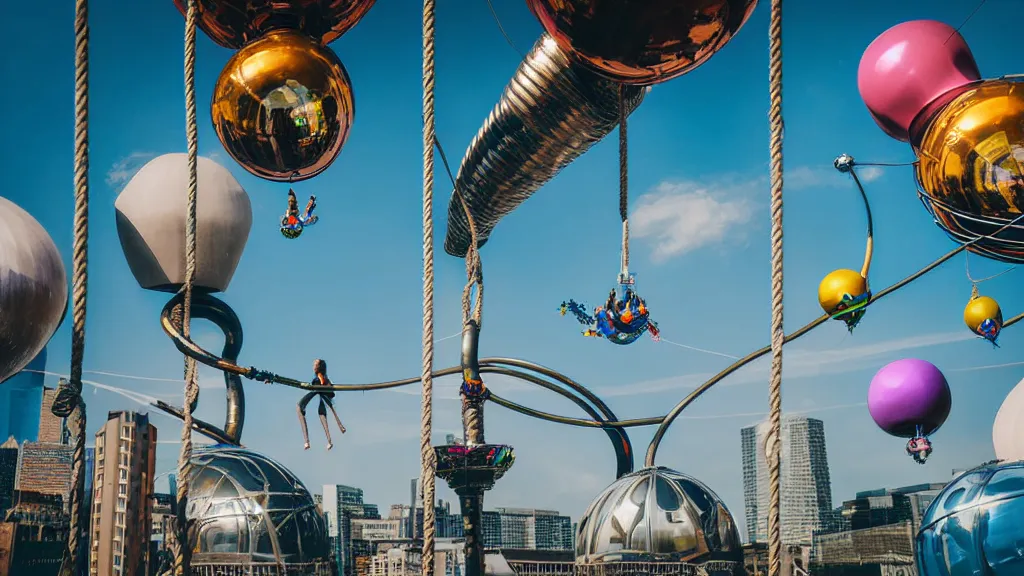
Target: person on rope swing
pixel 326 401
pixel 292 223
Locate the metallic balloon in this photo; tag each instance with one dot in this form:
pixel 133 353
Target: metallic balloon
pixel 33 289
pixel 838 287
pixel 980 309
pixel 642 42
pixel 970 166
pixel 235 23
pixel 909 397
pixel 283 107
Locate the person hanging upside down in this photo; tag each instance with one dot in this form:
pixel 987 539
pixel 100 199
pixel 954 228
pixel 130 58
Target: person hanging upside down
pixel 292 222
pixel 326 401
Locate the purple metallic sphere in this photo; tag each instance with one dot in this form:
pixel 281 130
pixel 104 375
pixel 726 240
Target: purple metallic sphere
pixel 909 393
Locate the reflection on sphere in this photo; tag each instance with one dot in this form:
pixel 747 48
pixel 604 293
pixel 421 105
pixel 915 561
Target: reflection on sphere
pixel 970 166
pixel 283 107
pixel 658 516
pixel 235 23
pixel 642 42
pixel 974 525
pixel 249 510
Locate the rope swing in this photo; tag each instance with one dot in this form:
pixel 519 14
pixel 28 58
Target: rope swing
pixel 428 464
pixel 68 403
pixel 183 560
pixel 772 445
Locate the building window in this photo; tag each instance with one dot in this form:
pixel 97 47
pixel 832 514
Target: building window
pixel 117 560
pixel 124 459
pixel 123 489
pixel 124 474
pixel 120 504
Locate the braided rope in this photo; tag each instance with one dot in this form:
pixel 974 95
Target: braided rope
pixel 80 283
pixel 773 446
pixel 624 178
pixel 427 474
pixel 183 550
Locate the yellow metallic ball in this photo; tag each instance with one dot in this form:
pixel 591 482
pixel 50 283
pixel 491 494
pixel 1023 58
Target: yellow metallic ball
pixel 980 309
pixel 840 285
pixel 283 107
pixel 971 163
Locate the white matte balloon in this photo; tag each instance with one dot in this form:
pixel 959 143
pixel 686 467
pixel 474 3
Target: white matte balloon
pixel 151 224
pixel 33 288
pixel 1008 428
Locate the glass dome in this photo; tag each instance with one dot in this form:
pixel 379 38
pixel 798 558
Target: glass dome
pixel 658 515
pixel 248 509
pixel 974 525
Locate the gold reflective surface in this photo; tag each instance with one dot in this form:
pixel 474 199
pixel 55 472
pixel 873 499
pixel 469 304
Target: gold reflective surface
pixel 642 42
pixel 971 164
pixel 837 285
pixel 235 23
pixel 283 107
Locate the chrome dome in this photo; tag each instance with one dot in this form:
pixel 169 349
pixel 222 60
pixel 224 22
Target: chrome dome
pixel 249 510
pixel 657 515
pixel 974 525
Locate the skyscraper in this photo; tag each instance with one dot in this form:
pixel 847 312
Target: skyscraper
pixel 8 474
pixel 341 504
pixel 18 397
pixel 122 507
pixel 51 427
pixel 806 489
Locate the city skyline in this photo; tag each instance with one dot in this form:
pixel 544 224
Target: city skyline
pixel 698 180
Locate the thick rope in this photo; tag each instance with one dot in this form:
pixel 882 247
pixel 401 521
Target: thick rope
pixel 79 283
pixel 624 179
pixel 773 450
pixel 183 550
pixel 428 468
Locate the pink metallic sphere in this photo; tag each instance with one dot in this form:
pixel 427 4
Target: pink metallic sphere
pixel 907 67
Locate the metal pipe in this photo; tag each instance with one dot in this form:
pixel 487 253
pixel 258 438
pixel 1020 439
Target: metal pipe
pixel 552 111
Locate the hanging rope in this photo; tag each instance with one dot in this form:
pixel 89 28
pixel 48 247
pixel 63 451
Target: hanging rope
pixel 773 447
pixel 624 180
pixel 427 474
pixel 967 266
pixel 183 550
pixel 68 403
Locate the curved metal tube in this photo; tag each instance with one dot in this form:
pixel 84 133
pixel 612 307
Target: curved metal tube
pixel 207 307
pixel 552 111
pixel 869 247
pixel 619 438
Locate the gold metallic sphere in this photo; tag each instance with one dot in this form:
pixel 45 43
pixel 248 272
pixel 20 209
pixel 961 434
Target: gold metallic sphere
pixel 283 107
pixel 980 309
pixel 971 165
pixel 235 23
pixel 837 285
pixel 642 42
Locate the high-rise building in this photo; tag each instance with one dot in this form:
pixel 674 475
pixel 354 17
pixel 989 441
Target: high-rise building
pixel 8 475
pixel 45 468
pixel 122 505
pixel 806 489
pixel 18 395
pixel 341 504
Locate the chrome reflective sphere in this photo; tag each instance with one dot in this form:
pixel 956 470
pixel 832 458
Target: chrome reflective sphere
pixel 659 515
pixel 642 42
pixel 248 509
pixel 33 289
pixel 971 153
pixel 235 23
pixel 283 107
pixel 974 525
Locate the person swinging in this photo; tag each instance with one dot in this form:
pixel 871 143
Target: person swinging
pixel 292 223
pixel 326 401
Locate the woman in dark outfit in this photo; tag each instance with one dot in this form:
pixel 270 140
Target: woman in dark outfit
pixel 326 400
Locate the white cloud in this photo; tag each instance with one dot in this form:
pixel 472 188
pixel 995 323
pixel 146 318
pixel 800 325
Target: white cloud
pixel 869 173
pixel 123 170
pixel 681 216
pixel 796 363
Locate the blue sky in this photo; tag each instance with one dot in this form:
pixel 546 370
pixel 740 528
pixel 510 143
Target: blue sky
pixel 699 144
